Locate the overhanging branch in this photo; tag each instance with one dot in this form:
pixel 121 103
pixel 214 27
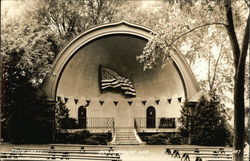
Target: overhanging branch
pixel 196 28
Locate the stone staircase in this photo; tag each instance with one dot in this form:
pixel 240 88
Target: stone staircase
pixel 126 136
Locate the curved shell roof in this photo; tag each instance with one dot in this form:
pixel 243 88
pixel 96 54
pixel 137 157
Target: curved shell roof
pixel 75 71
pixel 118 52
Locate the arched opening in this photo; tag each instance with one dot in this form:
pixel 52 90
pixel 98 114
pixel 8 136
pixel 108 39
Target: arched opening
pixel 82 117
pixel 51 85
pixel 150 117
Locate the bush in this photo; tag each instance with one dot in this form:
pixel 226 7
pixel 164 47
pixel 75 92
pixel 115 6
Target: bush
pixel 101 139
pixel 69 123
pixel 162 138
pixel 83 137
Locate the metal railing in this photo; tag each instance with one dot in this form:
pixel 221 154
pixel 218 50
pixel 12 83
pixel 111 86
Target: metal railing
pixel 152 122
pixel 96 122
pixel 139 122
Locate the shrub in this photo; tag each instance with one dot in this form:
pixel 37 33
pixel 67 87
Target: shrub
pixel 83 137
pixel 69 123
pixel 162 138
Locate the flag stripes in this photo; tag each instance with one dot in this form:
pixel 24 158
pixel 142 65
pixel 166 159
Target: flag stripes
pixel 110 79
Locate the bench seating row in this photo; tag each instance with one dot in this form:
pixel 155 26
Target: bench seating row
pixel 78 152
pixel 202 154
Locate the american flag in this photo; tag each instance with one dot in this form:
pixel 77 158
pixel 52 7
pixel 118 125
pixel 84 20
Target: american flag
pixel 110 79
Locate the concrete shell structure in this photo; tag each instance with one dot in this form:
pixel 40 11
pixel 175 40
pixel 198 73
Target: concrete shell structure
pixel 116 45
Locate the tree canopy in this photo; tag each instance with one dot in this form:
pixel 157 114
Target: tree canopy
pixel 230 17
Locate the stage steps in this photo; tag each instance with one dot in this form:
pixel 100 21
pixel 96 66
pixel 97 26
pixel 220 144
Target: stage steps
pixel 126 136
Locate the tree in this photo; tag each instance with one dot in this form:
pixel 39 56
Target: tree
pixel 208 13
pixel 207 125
pixel 170 20
pixel 32 34
pixel 39 32
pixel 27 45
pixel 27 54
pixel 69 18
pixel 239 80
pixel 29 118
pixel 63 121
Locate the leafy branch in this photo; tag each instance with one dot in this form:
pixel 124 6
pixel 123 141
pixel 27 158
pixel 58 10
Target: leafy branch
pixel 196 28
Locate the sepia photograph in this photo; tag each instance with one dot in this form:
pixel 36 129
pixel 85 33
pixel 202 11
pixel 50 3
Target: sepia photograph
pixel 125 80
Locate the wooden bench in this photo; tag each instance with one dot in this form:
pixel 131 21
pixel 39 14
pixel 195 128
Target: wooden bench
pixel 91 153
pixel 220 150
pixel 110 148
pixel 186 156
pixel 60 154
pixel 202 156
pixel 176 151
pixel 222 159
pixel 46 156
pixel 71 151
pixel 209 158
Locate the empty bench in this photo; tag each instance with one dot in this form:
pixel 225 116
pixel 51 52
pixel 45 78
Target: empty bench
pixel 90 153
pixel 73 151
pixel 48 156
pixel 175 152
pixel 199 156
pixel 82 147
pixel 208 156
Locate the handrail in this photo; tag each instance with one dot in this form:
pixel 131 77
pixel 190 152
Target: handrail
pixel 156 122
pixel 96 122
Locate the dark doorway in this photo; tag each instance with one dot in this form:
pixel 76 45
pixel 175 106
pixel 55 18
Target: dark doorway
pixel 82 117
pixel 150 117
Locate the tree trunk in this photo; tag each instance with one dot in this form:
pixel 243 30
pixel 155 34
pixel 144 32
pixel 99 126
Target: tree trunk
pixel 239 82
pixel 239 104
pixel 239 115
